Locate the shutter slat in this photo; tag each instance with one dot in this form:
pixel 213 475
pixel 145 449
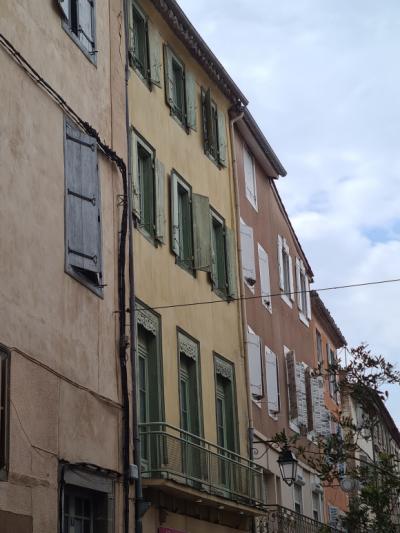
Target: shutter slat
pixel 174 215
pixel 222 139
pixel 248 261
pixel 191 100
pixel 160 203
pixel 255 372
pixel 155 48
pixel 230 244
pixel 201 232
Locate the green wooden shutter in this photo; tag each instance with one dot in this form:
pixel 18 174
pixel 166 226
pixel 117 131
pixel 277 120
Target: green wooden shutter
pixel 136 201
pixel 131 31
pixel 201 232
pixel 160 204
pixel 64 7
pixel 222 142
pixel 174 215
pixel 86 23
pixel 191 100
pixel 214 259
pixel 154 54
pixel 209 135
pixel 83 228
pixel 230 243
pixel 169 78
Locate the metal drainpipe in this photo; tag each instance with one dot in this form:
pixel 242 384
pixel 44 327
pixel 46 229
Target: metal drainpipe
pixel 243 314
pixel 136 452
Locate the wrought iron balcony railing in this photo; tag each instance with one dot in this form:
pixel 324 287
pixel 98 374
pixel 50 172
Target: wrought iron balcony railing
pixel 173 454
pixel 282 520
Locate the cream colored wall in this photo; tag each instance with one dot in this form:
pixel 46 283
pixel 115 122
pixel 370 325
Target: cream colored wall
pixel 159 280
pixel 62 337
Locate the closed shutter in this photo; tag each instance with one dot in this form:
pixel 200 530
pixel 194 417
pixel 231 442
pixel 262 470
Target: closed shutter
pixel 298 284
pixel 280 263
pixel 292 389
pixel 308 314
pixel 255 371
pixel 208 129
pixel 86 23
pixel 64 7
pixel 230 246
pixel 174 215
pixel 333 515
pixel 191 100
pixel 136 200
pixel 169 79
pixel 222 142
pixel 291 277
pixel 264 277
pixel 248 261
pixel 160 203
pixel 155 48
pixel 301 395
pixel 201 232
pixel 271 373
pixel 83 227
pixel 309 399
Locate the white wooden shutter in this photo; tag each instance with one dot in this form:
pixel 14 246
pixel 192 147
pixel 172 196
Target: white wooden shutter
pixel 264 277
pixel 301 395
pixel 86 24
pixel 160 201
pixel 175 241
pixel 136 200
pixel 308 298
pixel 230 247
pixel 255 372
pixel 292 385
pixel 298 284
pixel 291 277
pixel 222 139
pixel 155 48
pixel 191 100
pixel 248 261
pixel 280 263
pixel 64 7
pixel 249 177
pixel 271 373
pixel 201 232
pixel 333 515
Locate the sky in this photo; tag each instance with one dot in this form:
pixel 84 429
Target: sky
pixel 323 81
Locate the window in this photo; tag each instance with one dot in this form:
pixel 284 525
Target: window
pixel 189 384
pixel 316 506
pixel 225 404
pixel 264 278
pixel 223 271
pixel 331 356
pixel 148 180
pixel 182 228
pixel 180 90
pixel 4 410
pixel 319 347
pixel 255 368
pixel 248 261
pixel 83 255
pixel 303 292
pixel 298 498
pixel 272 380
pixel 87 502
pixel 214 130
pixel 296 382
pixel 80 22
pixel 250 177
pixel 285 271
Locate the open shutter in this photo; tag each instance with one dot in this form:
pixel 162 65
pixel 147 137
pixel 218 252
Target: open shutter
pixel 191 100
pixel 136 200
pixel 292 388
pixel 309 399
pixel 264 277
pixel 298 284
pixel 222 142
pixel 160 203
pixel 271 372
pixel 155 48
pixel 64 8
pixel 248 261
pixel 230 245
pixel 174 215
pixel 83 225
pixel 209 140
pixel 86 23
pixel 333 516
pixel 280 263
pixel 131 32
pixel 201 232
pixel 255 371
pixel 291 277
pixel 301 395
pixel 169 79
pixel 308 312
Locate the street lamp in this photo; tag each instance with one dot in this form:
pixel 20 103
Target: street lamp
pixel 288 465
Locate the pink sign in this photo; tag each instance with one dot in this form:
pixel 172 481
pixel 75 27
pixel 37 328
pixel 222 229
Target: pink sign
pixel 169 530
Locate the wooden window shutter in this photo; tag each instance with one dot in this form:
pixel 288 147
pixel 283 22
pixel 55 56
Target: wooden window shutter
pixel 280 263
pixel 201 232
pixel 291 278
pixel 255 370
pixel 230 245
pixel 309 399
pixel 298 284
pixel 175 247
pixel 169 76
pixel 191 100
pixel 64 8
pixel 248 261
pixel 87 23
pixel 134 167
pixel 271 373
pixel 160 203
pixel 308 298
pixel 264 277
pixel 292 388
pixel 209 140
pixel 131 31
pixel 301 395
pixel 214 266
pixel 222 140
pixel 155 48
pixel 83 227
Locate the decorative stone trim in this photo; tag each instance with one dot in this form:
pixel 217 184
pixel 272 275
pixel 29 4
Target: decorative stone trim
pixel 224 369
pixel 188 347
pixel 147 320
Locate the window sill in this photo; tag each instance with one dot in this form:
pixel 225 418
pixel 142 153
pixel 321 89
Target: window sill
pixel 221 294
pixel 257 403
pixel 148 236
pixel 3 474
pixel 304 319
pixel 267 306
pixel 287 300
pixel 80 278
pixel 212 159
pixel 253 204
pixel 92 57
pixel 183 265
pixel 250 287
pixel 179 121
pixel 274 416
pixel 144 80
pixel 294 427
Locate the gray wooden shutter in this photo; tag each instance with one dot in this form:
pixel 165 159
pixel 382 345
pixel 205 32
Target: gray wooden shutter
pixel 255 370
pixel 169 80
pixel 160 203
pixel 280 263
pixel 222 142
pixel 214 269
pixel 83 228
pixel 191 100
pixel 201 232
pixel 175 247
pixel 208 129
pixel 155 48
pixel 136 200
pixel 308 314
pixel 131 31
pixel 264 277
pixel 86 23
pixel 64 7
pixel 291 278
pixel 301 395
pixel 248 261
pixel 292 388
pixel 271 373
pixel 298 284
pixel 230 244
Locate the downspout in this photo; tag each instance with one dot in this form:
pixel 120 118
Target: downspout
pixel 140 505
pixel 242 301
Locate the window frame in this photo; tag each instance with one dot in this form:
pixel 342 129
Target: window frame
pixel 221 292
pixel 303 292
pixel 67 26
pixel 188 263
pixel 134 63
pixel 285 265
pixel 300 501
pixel 5 374
pixel 318 341
pixel 212 140
pixel 251 196
pixel 264 257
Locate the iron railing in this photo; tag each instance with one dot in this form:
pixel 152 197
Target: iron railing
pixel 282 520
pixel 170 453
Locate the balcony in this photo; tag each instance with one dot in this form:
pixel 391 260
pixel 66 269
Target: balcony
pixel 188 461
pixel 282 520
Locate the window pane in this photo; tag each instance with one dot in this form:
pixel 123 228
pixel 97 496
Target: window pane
pixel 140 42
pixel 178 90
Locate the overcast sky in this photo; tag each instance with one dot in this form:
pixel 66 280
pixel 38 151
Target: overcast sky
pixel 323 81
